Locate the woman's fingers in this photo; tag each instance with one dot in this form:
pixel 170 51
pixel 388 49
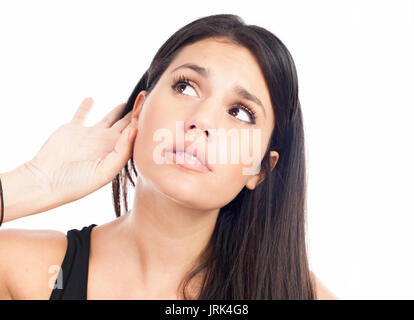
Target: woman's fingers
pixel 82 111
pixel 110 120
pixel 111 117
pixel 116 160
pixel 121 124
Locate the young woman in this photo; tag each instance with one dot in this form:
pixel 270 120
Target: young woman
pixel 198 229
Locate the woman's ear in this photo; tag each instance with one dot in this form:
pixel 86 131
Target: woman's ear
pixel 255 180
pixel 139 101
pixel 274 158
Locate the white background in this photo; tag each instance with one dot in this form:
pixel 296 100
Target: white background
pixel 355 68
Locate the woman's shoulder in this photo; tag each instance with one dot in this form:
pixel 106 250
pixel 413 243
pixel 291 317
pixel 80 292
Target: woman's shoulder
pixel 31 260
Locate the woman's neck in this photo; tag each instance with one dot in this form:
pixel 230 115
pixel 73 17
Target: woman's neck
pixel 165 237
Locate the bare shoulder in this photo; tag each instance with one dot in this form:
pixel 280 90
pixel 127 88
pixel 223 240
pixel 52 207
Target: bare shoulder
pixel 30 262
pixel 322 292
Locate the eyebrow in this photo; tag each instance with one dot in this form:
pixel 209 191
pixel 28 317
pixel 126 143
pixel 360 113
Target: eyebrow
pixel 239 90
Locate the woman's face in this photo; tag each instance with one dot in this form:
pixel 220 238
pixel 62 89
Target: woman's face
pixel 207 103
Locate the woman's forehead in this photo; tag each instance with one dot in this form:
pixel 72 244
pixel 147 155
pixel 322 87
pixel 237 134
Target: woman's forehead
pixel 218 55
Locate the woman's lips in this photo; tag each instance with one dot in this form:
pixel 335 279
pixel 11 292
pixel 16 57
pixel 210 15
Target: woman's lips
pixel 186 162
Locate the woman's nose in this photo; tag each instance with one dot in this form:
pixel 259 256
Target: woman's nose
pixel 202 120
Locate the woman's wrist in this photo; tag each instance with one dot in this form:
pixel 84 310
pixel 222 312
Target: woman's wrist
pixel 24 193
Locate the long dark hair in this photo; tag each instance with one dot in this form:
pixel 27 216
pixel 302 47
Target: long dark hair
pixel 258 248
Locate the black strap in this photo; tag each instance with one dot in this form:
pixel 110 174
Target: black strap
pixel 74 269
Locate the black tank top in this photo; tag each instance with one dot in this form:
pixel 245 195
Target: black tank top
pixel 72 280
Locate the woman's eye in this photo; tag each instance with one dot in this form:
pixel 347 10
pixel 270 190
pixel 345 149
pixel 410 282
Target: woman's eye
pixel 247 115
pixel 183 84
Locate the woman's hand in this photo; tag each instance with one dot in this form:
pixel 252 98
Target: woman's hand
pixel 77 160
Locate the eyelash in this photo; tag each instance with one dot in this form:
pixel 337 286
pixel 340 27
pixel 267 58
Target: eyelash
pixel 183 79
